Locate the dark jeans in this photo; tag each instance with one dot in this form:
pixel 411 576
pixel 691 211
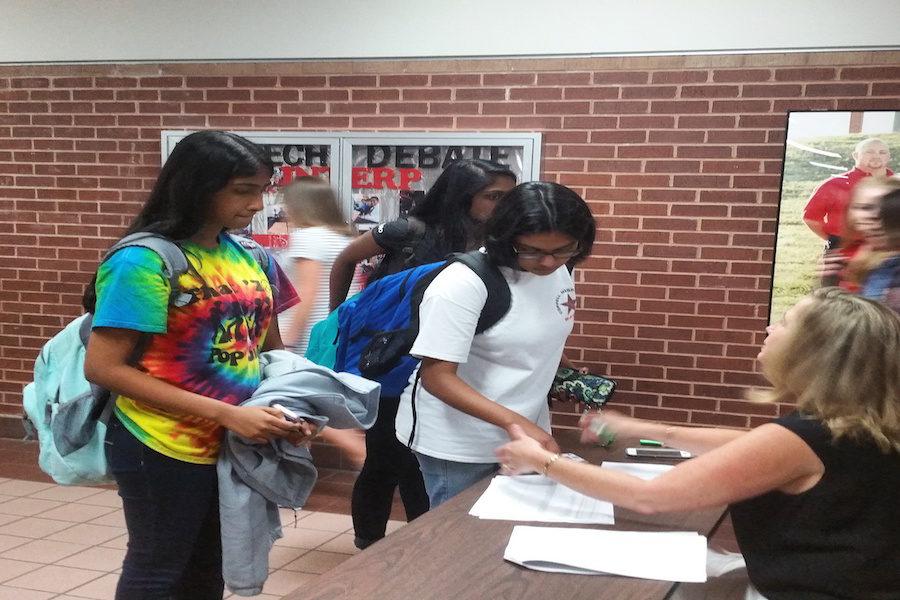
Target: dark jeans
pixel 172 514
pixel 389 464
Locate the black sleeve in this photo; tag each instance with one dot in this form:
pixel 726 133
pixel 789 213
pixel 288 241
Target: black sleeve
pixel 809 429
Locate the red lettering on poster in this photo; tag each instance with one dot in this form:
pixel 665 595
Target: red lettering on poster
pixel 379 178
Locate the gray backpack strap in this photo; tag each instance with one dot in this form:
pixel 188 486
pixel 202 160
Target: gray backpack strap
pixel 175 263
pixel 252 246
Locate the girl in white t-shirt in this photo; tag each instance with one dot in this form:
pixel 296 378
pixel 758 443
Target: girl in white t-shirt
pixel 318 234
pixel 472 388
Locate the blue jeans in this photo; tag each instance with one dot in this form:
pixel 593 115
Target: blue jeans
pixel 172 514
pixel 446 478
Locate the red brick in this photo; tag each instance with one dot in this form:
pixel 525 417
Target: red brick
pixel 620 107
pixel 30 82
pixel 509 79
pixel 477 123
pixel 781 106
pixel 591 93
pixel 831 90
pixel 180 95
pixel 730 166
pixel 403 108
pixel 481 94
pixel 645 152
pixel 650 92
pixel 562 108
pixel 741 106
pixel 772 91
pixel 376 122
pixel 304 108
pixel 672 166
pixel 805 74
pixel 353 81
pixel 306 81
pixel 710 91
pixel 326 95
pixel 488 108
pixel 740 75
pixel 702 181
pixel 229 95
pixel 647 121
pixel 860 104
pixel 72 82
pixel 374 94
pixel 532 93
pixel 886 89
pixel 736 136
pixel 404 80
pixel 230 121
pixel 206 82
pixel 456 80
pixel 137 95
pixel 639 181
pixel 870 73
pixel 276 122
pixel 426 94
pixel 679 76
pixel 620 77
pixel 116 82
pixel 276 95
pixel 679 107
pixel 590 122
pixel 161 82
pixel 428 122
pixel 704 151
pixel 563 78
pixel 679 136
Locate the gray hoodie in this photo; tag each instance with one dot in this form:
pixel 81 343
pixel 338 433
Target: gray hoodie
pixel 255 479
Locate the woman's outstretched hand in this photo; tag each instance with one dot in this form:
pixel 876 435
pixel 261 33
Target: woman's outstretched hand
pixel 523 454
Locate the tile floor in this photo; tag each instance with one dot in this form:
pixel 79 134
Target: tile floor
pixel 67 543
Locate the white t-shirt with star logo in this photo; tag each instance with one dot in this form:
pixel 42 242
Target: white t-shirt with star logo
pixel 512 363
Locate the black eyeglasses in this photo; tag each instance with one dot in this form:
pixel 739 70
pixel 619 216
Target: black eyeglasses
pixel 563 254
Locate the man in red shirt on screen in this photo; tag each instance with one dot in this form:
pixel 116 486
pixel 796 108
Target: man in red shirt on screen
pixel 824 212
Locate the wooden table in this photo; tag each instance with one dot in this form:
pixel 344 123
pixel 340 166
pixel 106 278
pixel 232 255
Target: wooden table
pixel 447 554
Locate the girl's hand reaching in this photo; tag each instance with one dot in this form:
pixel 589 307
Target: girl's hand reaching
pixel 523 454
pixel 263 423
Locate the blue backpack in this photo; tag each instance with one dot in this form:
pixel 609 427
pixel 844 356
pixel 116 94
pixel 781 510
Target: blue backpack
pixel 377 327
pixel 67 413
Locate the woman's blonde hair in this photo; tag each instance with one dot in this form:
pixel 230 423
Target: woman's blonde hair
pixel 311 202
pixel 842 365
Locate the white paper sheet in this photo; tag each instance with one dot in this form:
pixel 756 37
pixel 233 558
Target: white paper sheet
pixel 666 555
pixel 642 470
pixel 538 498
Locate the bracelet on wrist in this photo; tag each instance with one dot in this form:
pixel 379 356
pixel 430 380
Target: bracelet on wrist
pixel 549 464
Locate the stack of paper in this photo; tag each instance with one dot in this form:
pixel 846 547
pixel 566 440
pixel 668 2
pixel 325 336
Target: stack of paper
pixel 667 555
pixel 537 498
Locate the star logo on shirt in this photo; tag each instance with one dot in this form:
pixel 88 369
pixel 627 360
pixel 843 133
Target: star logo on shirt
pixel 569 303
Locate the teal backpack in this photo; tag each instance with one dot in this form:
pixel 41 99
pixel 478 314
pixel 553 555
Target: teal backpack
pixel 67 413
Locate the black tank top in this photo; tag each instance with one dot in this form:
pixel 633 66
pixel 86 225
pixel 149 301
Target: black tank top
pixel 840 539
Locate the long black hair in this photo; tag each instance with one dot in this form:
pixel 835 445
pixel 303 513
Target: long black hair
pixel 538 207
pixel 445 207
pixel 200 165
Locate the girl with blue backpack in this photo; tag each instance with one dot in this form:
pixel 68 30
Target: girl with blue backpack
pixel 449 218
pixel 179 362
pixel 471 388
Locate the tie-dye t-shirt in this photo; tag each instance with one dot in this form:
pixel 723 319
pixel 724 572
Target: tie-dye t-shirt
pixel 208 346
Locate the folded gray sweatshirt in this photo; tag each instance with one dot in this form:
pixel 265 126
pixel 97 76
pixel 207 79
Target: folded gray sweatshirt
pixel 255 479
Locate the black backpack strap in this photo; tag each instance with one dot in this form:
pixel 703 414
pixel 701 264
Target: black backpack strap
pixel 499 297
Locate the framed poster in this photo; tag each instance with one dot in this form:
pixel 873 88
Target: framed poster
pixel 377 175
pixel 294 155
pixel 384 173
pixel 826 153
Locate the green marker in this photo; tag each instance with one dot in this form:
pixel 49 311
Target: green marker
pixel 650 443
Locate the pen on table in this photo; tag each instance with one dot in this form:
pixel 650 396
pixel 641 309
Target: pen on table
pixel 650 443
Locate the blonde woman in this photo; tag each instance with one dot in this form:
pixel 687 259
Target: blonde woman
pixel 813 495
pixel 319 233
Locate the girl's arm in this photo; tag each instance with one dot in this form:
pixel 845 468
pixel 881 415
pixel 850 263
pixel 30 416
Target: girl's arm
pixel 106 364
pixel 356 251
pixel 440 379
pixel 306 280
pixel 765 459
pixel 697 440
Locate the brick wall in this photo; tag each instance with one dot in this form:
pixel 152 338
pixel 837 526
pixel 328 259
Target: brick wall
pixel 679 157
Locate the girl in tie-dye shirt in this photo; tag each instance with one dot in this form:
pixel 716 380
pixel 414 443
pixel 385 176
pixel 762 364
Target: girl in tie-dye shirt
pixel 178 374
